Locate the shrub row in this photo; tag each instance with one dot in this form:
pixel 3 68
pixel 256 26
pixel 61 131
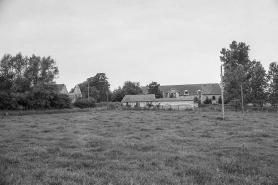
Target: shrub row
pixel 85 103
pixel 30 100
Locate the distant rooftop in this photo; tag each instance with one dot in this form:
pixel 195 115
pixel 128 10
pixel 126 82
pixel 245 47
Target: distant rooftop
pixel 192 89
pixel 138 98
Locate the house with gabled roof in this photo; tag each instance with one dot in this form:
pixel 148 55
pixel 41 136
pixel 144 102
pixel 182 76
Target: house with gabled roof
pixel 75 94
pixel 62 88
pixel 140 100
pixel 201 91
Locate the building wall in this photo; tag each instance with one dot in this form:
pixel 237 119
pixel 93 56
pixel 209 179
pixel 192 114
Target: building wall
pixel 76 94
pixel 166 105
pixel 133 104
pixel 77 91
pixel 178 105
pixel 64 90
pixel 172 91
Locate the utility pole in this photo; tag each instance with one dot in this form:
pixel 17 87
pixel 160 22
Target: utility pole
pixel 222 93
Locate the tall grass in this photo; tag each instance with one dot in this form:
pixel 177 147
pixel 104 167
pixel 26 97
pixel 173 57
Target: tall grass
pixel 139 147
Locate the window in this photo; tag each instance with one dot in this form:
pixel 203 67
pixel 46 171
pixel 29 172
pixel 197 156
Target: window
pixel 186 92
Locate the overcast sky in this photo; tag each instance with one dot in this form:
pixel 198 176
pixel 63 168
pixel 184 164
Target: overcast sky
pixel 168 41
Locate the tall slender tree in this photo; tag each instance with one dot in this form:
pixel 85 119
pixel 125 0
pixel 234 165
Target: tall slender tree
pixel 237 67
pixel 258 84
pixel 273 83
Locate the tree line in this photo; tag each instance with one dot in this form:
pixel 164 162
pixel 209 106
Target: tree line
pixel 258 85
pixel 28 83
pixel 97 87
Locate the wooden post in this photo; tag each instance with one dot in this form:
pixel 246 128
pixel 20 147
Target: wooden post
pixel 88 89
pixel 242 102
pixel 107 99
pixel 222 94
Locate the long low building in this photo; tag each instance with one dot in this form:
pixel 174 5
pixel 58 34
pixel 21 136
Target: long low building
pixel 176 103
pixel 149 100
pixel 142 100
pixel 201 91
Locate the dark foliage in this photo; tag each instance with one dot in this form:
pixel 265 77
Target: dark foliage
pixel 98 87
pixel 153 88
pixel 61 101
pixel 220 100
pixel 85 103
pixel 7 101
pixel 207 101
pixel 27 83
pixel 129 88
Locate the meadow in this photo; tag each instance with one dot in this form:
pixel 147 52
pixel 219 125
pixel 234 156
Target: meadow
pixel 136 147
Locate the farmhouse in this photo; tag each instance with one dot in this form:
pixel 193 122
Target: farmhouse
pixel 74 95
pixel 141 100
pixel 201 91
pixel 62 89
pixel 179 103
pixel 149 100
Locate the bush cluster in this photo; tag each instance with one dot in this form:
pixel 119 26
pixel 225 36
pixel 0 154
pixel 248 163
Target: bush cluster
pixel 208 101
pixel 85 103
pixel 31 100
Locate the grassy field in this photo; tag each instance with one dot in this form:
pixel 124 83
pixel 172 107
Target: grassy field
pixel 139 147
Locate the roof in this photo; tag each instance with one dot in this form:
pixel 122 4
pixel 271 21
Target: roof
pixel 186 98
pixel 60 87
pixel 211 89
pixel 192 89
pixel 138 98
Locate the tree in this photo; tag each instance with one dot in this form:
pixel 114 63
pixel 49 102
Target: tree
pixel 273 83
pixel 100 82
pixel 6 73
pixel 27 82
pixel 132 88
pixel 153 88
pixel 237 69
pixel 41 70
pixel 98 87
pixel 117 95
pixel 258 84
pixel 219 100
pixel 207 101
pixel 129 88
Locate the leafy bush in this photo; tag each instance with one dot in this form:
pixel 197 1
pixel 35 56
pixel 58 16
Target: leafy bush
pixel 101 104
pixel 207 101
pixel 7 101
pixel 85 103
pixel 61 101
pixel 196 100
pixel 220 100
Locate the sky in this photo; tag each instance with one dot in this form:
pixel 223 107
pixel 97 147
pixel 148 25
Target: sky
pixel 171 42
